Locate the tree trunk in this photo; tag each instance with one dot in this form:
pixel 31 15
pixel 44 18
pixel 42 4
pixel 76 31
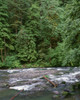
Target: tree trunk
pixel 5 48
pixel 5 52
pixel 2 55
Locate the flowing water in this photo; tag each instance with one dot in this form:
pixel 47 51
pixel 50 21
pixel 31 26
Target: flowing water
pixel 67 75
pixel 7 94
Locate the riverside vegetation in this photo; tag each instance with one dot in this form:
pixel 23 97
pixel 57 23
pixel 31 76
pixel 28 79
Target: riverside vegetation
pixel 39 33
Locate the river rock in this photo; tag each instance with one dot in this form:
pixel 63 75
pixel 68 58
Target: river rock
pixel 56 96
pixel 78 76
pixel 56 92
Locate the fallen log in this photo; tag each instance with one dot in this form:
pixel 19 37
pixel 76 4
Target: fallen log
pixel 16 95
pixel 55 85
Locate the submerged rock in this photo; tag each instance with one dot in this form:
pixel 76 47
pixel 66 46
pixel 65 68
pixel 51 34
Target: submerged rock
pixel 65 94
pixel 56 92
pixel 76 86
pixel 56 96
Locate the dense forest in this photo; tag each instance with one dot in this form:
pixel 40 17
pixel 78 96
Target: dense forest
pixel 39 33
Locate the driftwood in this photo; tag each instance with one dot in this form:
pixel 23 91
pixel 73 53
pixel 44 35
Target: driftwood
pixel 16 95
pixel 55 85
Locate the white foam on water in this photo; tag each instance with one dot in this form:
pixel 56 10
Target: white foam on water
pixel 13 70
pixel 70 78
pixel 29 69
pixel 51 76
pixel 75 73
pixel 66 79
pixel 35 79
pixel 49 68
pixel 25 87
pixel 63 69
pixel 14 80
pixel 20 70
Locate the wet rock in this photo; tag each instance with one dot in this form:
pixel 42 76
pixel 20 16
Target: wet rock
pixel 68 88
pixel 78 76
pixel 3 85
pixel 56 92
pixel 63 82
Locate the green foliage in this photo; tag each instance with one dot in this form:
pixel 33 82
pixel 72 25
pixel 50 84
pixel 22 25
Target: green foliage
pixel 46 76
pixel 11 62
pixel 4 31
pixel 26 46
pixel 41 33
pixel 69 30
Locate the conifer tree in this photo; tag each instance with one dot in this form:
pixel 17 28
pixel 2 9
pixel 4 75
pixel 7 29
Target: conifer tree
pixel 4 29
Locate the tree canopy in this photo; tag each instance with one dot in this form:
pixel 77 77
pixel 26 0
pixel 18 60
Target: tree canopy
pixel 39 33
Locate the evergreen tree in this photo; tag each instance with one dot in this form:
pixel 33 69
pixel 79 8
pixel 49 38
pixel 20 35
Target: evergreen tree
pixel 26 47
pixel 67 53
pixel 4 30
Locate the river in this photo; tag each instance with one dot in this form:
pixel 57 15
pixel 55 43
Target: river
pixel 35 87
